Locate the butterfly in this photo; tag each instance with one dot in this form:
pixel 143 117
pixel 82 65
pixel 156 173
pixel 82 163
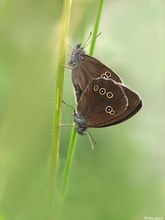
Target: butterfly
pixel 85 67
pixel 102 98
pixel 105 102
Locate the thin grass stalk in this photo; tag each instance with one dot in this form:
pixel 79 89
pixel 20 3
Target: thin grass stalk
pixel 73 139
pixel 71 150
pixel 96 27
pixel 52 196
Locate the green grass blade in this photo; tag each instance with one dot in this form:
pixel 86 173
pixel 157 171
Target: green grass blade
pixel 58 107
pixel 69 160
pixel 96 28
pixel 74 134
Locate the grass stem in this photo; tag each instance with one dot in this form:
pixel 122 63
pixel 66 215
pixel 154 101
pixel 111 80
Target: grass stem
pixel 74 134
pixel 52 196
pixel 96 27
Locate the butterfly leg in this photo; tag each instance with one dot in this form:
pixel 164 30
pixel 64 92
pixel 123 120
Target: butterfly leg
pixel 66 66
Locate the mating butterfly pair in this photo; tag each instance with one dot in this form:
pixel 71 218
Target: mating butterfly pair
pixel 102 98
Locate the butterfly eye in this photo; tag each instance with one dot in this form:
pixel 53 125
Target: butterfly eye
pixel 96 88
pixel 109 95
pixel 108 109
pixel 102 91
pixel 108 74
pixel 73 63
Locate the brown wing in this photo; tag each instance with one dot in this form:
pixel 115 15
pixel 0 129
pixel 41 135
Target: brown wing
pixel 94 68
pixel 80 80
pixel 102 102
pixel 87 69
pixel 134 105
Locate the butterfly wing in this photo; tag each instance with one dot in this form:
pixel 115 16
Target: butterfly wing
pixel 96 69
pixel 87 69
pixel 134 105
pixel 102 102
pixel 80 80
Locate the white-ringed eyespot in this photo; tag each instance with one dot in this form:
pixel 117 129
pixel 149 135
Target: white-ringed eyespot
pixel 112 112
pixel 108 109
pixel 104 76
pixel 109 95
pixel 102 91
pixel 96 88
pixel 108 74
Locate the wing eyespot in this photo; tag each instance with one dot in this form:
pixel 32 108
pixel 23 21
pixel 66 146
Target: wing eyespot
pixel 109 110
pixel 108 74
pixel 104 76
pixel 112 112
pixel 102 91
pixel 109 95
pixel 96 88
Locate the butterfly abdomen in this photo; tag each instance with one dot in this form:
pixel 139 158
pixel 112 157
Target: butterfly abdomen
pixel 81 123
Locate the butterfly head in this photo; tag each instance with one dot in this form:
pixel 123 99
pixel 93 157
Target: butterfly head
pixel 77 55
pixel 81 123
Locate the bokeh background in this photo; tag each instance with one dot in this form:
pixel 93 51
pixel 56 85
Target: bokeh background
pixel 123 178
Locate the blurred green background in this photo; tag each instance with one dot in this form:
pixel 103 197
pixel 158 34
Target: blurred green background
pixel 123 178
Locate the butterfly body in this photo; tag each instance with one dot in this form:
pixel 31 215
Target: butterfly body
pixel 81 123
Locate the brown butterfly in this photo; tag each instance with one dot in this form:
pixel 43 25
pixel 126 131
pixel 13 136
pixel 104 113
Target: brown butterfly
pixel 89 73
pixel 84 68
pixel 103 103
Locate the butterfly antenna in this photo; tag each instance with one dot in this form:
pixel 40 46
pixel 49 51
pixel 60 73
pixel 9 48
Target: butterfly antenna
pixel 68 105
pixel 91 139
pixel 90 34
pixel 69 46
pixel 91 40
